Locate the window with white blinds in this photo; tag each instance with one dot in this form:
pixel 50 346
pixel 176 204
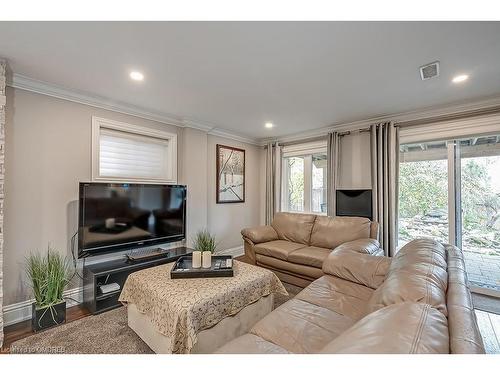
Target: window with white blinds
pixel 127 154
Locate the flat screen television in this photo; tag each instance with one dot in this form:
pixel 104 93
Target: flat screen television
pixel 115 217
pixel 354 203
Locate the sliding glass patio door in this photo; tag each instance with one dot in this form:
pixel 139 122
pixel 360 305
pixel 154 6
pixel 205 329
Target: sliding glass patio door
pixel 450 190
pixel 480 207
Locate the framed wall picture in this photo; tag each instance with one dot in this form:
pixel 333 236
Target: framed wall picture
pixel 230 174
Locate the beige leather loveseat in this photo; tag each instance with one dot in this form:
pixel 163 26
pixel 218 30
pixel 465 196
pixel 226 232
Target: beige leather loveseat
pixel 294 246
pixel 416 302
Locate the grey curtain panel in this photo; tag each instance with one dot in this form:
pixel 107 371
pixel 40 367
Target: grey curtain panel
pixel 332 170
pixel 273 180
pixel 2 153
pixel 385 169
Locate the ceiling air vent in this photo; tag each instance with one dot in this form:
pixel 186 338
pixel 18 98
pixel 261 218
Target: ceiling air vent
pixel 429 71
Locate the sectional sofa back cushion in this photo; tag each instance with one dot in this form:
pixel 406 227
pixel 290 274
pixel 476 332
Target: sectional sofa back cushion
pixel 404 328
pixel 330 232
pixel 417 273
pixel 359 268
pixel 293 227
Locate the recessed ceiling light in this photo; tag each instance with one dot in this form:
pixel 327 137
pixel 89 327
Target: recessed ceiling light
pixel 460 78
pixel 136 76
pixel 269 125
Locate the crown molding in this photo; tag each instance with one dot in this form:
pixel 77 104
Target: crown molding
pixel 235 137
pixel 19 81
pixel 465 106
pixel 22 82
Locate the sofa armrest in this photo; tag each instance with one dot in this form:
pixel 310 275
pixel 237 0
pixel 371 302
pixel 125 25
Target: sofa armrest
pixel 263 233
pixel 362 246
pixel 364 269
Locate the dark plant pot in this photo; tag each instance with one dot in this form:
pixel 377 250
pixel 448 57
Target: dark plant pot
pixel 48 316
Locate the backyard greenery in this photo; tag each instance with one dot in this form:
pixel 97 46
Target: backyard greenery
pixel 423 202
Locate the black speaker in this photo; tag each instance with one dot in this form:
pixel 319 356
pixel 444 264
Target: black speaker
pixel 354 203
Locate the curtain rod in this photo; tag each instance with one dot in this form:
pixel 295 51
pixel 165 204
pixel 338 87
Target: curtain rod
pixel 449 117
pixel 349 132
pixel 422 121
pixel 305 140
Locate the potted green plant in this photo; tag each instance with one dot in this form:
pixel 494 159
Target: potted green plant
pixel 48 275
pixel 205 244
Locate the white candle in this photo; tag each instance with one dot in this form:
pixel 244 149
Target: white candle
pixel 196 259
pixel 207 259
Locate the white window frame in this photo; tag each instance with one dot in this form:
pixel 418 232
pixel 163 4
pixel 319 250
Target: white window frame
pixel 305 150
pixel 99 123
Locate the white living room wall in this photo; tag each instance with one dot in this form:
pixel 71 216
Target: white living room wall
pixel 49 152
pixel 193 173
pixel 355 171
pixel 226 220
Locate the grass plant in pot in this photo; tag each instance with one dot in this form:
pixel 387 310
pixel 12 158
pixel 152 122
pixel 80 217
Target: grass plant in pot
pixel 205 244
pixel 48 275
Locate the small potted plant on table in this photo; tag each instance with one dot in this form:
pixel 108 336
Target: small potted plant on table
pixel 205 245
pixel 48 274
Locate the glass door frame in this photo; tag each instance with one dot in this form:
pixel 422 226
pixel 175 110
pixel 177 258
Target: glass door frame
pixel 455 212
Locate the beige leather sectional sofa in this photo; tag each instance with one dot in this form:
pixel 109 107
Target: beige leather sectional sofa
pixel 416 302
pixel 294 246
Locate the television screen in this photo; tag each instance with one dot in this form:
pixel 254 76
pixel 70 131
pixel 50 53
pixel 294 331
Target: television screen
pixel 122 216
pixel 354 203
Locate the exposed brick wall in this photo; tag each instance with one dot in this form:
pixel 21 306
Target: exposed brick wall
pixel 2 155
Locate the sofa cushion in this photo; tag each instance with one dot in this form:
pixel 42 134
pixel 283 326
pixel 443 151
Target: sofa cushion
pixel 404 328
pixel 344 297
pixel 293 227
pixel 418 274
pixel 250 344
pixel 301 327
pixel 364 269
pixel 277 249
pixel 330 232
pixel 309 256
pixel 306 272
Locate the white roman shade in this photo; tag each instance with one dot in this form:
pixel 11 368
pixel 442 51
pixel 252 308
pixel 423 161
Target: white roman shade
pixel 126 153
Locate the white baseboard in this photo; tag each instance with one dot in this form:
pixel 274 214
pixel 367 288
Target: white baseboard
pixel 18 312
pixel 234 251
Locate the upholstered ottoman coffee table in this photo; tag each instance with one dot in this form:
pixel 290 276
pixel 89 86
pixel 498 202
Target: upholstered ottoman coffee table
pixel 197 315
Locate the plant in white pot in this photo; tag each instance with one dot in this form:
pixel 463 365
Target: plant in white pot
pixel 204 246
pixel 48 275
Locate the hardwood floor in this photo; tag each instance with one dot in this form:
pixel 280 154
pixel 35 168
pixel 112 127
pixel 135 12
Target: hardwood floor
pixel 21 330
pixel 489 325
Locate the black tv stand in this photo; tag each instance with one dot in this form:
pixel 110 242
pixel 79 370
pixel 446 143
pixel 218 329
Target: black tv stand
pixel 117 271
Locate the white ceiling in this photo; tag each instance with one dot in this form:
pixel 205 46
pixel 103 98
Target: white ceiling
pixel 238 75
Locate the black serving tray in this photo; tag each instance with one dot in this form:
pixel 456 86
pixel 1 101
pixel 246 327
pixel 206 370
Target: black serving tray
pixel 183 269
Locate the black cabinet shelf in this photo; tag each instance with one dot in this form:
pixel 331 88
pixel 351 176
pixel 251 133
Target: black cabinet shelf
pixel 103 296
pixel 117 271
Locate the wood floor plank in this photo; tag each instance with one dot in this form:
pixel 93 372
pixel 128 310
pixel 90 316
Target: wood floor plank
pixel 491 343
pixel 495 322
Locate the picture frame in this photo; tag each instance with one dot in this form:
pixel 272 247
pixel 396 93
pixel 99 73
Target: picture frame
pixel 230 176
